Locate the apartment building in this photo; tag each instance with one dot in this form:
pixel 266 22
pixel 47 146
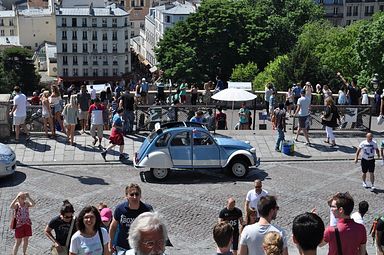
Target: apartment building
pixel 92 42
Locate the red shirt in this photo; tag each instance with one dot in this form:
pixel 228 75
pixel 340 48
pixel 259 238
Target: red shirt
pixel 352 235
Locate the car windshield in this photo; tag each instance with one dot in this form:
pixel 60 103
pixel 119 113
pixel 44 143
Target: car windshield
pixel 152 136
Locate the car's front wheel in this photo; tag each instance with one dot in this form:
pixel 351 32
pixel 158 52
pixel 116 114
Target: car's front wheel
pixel 239 167
pixel 159 173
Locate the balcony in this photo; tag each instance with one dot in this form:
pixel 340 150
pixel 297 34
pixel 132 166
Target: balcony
pixel 84 25
pixel 105 50
pixel 105 63
pixel 64 38
pixel 64 24
pixel 94 25
pixel 85 63
pixel 115 63
pixel 114 50
pixel 95 63
pixel 65 63
pixel 114 38
pixel 75 63
pixel 114 25
pixel 94 38
pixel 104 25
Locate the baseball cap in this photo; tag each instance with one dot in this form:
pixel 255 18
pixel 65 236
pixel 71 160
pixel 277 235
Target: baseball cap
pixel 106 214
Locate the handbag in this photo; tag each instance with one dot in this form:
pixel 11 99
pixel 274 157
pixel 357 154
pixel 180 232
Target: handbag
pixel 13 220
pixel 380 119
pixel 64 250
pixel 338 242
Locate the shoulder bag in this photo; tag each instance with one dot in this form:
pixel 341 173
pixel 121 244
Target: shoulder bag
pixel 64 250
pixel 338 241
pixel 101 239
pixel 13 220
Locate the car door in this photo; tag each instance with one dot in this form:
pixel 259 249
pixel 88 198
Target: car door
pixel 206 153
pixel 180 149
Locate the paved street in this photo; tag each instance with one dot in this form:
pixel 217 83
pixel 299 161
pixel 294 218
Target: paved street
pixel 189 201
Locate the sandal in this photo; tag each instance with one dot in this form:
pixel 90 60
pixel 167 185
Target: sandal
pixel 326 141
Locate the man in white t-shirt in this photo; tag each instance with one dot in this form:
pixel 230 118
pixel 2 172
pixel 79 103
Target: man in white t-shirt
pixel 302 111
pixel 92 92
pixel 251 240
pixel 95 113
pixel 369 146
pixel 253 197
pixel 19 112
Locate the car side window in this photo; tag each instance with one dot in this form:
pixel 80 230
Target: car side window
pixel 163 140
pixel 181 139
pixel 203 139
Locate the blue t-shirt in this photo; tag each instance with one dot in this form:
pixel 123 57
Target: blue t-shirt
pixel 125 216
pixel 117 120
pixel 197 119
pixel 144 87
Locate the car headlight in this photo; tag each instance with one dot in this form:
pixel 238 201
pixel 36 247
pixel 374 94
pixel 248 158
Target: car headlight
pixel 6 158
pixel 253 150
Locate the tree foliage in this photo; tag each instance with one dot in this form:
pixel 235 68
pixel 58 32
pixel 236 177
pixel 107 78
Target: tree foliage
pixel 224 33
pixel 244 72
pixel 16 63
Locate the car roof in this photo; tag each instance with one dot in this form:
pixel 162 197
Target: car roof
pixel 181 124
pixel 177 129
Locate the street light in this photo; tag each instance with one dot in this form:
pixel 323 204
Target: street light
pixel 375 81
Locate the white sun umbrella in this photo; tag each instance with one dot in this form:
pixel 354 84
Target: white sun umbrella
pixel 232 95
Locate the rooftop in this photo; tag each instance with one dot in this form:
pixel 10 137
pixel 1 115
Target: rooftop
pixel 9 40
pixel 111 10
pixel 7 14
pixel 138 13
pixel 177 8
pixel 35 12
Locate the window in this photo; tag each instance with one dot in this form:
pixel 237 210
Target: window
pixel 132 3
pixel 74 47
pixel 114 22
pixel 163 140
pixel 181 139
pixel 94 47
pixel 64 46
pixel 85 35
pixel 85 47
pixel 132 33
pixel 115 71
pixel 85 72
pixel 2 33
pixel 349 11
pixel 63 22
pixel 114 47
pixel 105 60
pixel 126 22
pixel 65 60
pixel 11 32
pixel 74 22
pixel 1 22
pixel 64 35
pixel 75 72
pixel 105 36
pixel 95 72
pixel 348 22
pixel 84 22
pixel 85 60
pixel 168 19
pixel 105 49
pixel 74 35
pixel 74 59
pixel 11 22
pixel 355 10
pixel 94 22
pixel 114 36
pixel 141 2
pixel 105 72
pixel 335 10
pixel 202 139
pixel 65 71
pixel 94 35
pixel 381 8
pixel 104 22
pixel 95 60
pixel 126 34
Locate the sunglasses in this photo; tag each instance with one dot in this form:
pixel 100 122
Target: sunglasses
pixel 134 194
pixel 258 187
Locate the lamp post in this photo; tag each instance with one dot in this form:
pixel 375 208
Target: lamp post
pixel 375 81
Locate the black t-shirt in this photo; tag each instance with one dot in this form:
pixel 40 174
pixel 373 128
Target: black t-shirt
pixel 125 216
pixel 232 217
pixel 380 227
pixel 354 94
pixel 61 229
pixel 84 99
pixel 128 101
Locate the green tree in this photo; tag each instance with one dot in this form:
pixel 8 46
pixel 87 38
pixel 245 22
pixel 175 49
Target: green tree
pixel 273 73
pixel 18 65
pixel 244 72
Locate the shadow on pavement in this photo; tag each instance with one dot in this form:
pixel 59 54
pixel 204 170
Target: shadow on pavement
pixel 37 146
pixel 13 180
pixel 88 180
pixel 300 155
pixel 138 137
pixel 377 191
pixel 201 176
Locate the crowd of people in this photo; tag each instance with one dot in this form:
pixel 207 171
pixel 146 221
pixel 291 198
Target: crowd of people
pixel 135 228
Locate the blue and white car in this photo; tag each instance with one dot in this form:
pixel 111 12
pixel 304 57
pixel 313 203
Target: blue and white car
pixel 7 160
pixel 193 147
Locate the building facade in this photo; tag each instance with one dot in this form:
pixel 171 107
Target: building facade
pixel 92 43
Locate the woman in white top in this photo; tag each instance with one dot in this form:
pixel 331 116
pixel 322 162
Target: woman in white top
pixel 91 238
pixel 70 114
pixel 55 100
pixel 326 93
pixel 47 114
pixel 364 96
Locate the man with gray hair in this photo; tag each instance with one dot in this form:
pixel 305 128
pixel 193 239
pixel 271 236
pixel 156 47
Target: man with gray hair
pixel 147 235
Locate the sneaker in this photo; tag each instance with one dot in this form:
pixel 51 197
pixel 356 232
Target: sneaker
pixel 365 185
pixel 277 149
pixel 308 144
pixel 104 155
pixel 121 157
pixel 373 188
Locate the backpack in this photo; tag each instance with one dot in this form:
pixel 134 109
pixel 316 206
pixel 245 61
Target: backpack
pixel 372 231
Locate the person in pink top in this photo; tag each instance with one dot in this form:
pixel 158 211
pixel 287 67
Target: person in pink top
pixel 95 114
pixel 23 229
pixel 352 235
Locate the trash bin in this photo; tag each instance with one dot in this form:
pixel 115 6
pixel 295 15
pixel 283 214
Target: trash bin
pixel 288 147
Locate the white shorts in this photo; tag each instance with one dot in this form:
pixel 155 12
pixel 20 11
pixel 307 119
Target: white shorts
pixel 99 129
pixel 18 120
pixel 83 115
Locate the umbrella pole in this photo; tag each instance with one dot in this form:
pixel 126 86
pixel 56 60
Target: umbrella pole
pixel 233 106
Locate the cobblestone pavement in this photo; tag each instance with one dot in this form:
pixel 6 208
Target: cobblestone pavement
pixel 189 201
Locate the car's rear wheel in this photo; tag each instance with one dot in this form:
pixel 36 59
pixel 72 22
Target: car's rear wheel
pixel 160 173
pixel 239 167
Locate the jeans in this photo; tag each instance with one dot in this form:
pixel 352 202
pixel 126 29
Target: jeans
pixel 330 135
pixel 128 118
pixel 280 137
